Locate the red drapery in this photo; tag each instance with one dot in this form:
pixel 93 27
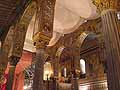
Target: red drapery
pixel 24 62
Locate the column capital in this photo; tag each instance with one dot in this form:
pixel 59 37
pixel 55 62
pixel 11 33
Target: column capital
pixel 40 40
pixel 14 60
pixel 107 10
pixel 105 4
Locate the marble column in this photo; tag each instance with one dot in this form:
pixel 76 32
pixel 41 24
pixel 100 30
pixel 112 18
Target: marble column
pixel 40 41
pixel 111 33
pixel 41 37
pixel 39 70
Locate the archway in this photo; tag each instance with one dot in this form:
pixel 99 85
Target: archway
pixel 14 47
pixel 82 68
pixel 47 71
pixel 48 22
pixel 22 29
pixel 90 51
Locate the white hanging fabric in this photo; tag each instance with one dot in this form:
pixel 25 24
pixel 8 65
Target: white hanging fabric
pixel 69 15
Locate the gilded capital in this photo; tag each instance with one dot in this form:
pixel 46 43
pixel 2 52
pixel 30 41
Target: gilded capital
pixel 40 40
pixel 105 4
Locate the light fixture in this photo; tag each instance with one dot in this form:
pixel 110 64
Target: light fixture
pixel 82 66
pixel 118 15
pixel 0 44
pixel 65 72
pixel 47 70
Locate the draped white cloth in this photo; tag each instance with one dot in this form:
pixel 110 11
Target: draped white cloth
pixel 33 26
pixel 69 15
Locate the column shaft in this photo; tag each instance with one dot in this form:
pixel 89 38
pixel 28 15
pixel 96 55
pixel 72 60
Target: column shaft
pixel 112 42
pixel 39 70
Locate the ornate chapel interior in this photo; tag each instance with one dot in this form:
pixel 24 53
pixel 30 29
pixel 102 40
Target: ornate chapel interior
pixel 59 44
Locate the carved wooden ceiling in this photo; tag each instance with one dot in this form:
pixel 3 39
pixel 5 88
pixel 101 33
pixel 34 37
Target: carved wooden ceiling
pixel 6 9
pixel 10 10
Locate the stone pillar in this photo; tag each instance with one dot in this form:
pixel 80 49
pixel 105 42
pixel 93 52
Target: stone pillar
pixel 39 70
pixel 112 42
pixel 40 41
pixel 44 28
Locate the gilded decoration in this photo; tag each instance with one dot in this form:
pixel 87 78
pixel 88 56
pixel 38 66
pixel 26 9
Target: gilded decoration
pixel 20 31
pixel 40 40
pixel 82 38
pixel 14 41
pixel 18 41
pixel 59 51
pixel 105 4
pixel 8 40
pixel 28 14
pixel 45 15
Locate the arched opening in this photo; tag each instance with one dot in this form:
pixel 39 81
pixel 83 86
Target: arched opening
pixel 18 37
pixel 82 68
pixel 89 50
pixel 48 72
pixel 90 56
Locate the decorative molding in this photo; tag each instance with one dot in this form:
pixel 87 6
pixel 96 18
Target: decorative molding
pixel 28 14
pixel 82 38
pixel 59 51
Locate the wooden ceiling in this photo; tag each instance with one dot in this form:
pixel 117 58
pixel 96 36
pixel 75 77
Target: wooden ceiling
pixel 10 11
pixel 6 9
